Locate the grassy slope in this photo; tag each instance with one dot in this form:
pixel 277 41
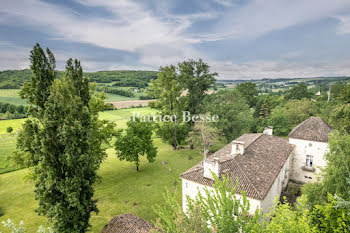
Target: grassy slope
pixel 11 96
pixel 8 143
pixel 121 190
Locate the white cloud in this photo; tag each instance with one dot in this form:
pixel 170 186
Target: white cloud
pixel 165 38
pixel 278 69
pixel 225 3
pixel 260 17
pixel 132 28
pixel 344 24
pixel 292 54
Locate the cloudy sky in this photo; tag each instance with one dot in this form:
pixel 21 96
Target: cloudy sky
pixel 240 39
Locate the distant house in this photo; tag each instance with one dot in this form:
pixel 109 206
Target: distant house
pixel 128 223
pixel 311 144
pixel 263 163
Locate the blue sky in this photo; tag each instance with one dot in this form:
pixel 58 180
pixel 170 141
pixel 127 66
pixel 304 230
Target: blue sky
pixel 240 39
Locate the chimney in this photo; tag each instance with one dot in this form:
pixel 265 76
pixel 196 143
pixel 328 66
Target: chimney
pixel 209 166
pixel 268 130
pixel 237 148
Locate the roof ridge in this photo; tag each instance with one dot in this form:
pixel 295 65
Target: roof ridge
pixel 254 140
pixel 247 178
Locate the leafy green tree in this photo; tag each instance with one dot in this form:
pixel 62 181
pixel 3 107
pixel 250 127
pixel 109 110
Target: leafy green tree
pixel 335 175
pixel 249 92
pixel 235 117
pixel 173 133
pixel 285 218
pixel 265 110
pixel 221 208
pixel 196 78
pixel 344 203
pixel 298 92
pixel 9 129
pixel 340 92
pixel 225 211
pixel 340 117
pixel 172 219
pixel 37 91
pixel 327 218
pixel 62 141
pixel 167 90
pixel 286 116
pixel 279 122
pixel 136 142
pixel 205 136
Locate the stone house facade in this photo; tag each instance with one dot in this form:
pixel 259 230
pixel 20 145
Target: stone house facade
pixel 263 163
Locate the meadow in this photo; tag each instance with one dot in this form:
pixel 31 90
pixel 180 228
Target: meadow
pixel 11 96
pixel 120 190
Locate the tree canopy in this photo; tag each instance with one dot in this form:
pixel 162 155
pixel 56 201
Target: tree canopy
pixel 62 141
pixel 136 142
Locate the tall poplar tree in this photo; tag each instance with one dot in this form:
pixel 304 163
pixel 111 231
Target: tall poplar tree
pixel 62 141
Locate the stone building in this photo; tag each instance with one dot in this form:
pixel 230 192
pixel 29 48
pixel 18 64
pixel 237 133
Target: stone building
pixel 263 163
pixel 311 144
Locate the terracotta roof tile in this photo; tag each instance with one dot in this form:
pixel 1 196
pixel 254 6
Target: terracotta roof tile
pixel 256 169
pixel 312 129
pixel 127 223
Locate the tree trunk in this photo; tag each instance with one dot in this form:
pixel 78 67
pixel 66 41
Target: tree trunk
pixel 137 164
pixel 205 152
pixel 191 146
pixel 174 142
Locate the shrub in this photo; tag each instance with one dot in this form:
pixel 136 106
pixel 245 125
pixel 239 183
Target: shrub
pixel 9 129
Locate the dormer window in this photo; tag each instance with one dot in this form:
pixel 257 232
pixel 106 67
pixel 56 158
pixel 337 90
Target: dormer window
pixel 237 148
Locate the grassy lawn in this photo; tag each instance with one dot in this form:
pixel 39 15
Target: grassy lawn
pixel 121 190
pixel 8 143
pixel 11 96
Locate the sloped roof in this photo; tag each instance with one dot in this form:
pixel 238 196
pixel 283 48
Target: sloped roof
pixel 256 169
pixel 312 129
pixel 127 223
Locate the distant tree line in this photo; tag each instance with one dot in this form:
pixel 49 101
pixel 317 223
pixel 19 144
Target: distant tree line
pixel 11 111
pixel 14 79
pixel 116 91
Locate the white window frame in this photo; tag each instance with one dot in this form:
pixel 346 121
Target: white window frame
pixel 309 161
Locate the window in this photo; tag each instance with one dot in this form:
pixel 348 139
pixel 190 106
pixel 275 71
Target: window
pixel 309 160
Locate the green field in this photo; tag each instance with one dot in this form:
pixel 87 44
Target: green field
pixel 11 96
pixel 121 190
pixel 114 98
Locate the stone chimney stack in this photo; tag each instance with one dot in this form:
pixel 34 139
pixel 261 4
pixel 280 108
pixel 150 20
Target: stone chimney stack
pixel 268 130
pixel 237 148
pixel 211 166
